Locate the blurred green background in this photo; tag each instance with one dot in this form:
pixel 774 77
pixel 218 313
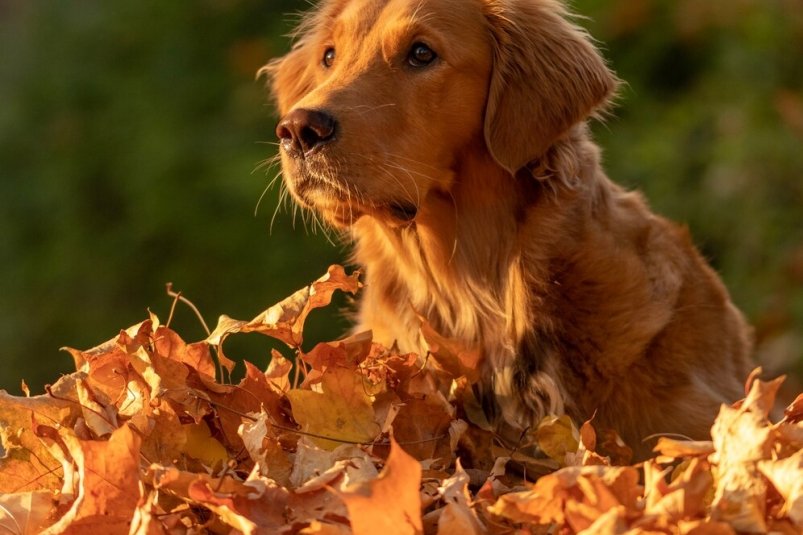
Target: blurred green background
pixel 131 132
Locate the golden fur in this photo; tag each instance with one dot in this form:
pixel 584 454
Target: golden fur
pixel 477 200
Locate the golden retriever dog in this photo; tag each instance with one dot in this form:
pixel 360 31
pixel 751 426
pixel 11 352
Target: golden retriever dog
pixel 450 138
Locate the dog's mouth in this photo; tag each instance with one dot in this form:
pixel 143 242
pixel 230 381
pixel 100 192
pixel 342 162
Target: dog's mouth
pixel 343 204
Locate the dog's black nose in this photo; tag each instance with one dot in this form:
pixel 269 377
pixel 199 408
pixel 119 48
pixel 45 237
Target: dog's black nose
pixel 301 130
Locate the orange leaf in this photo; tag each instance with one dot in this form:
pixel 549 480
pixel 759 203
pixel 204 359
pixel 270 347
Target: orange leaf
pixel 683 448
pixel 786 476
pixel 682 498
pixel 26 464
pixel 285 320
pixel 794 412
pixel 107 487
pixel 575 496
pixel 761 397
pixel 454 357
pixel 458 518
pixel 391 504
pixel 588 436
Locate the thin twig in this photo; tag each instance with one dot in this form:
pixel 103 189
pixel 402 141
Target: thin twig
pixel 173 306
pixel 177 295
pixel 667 435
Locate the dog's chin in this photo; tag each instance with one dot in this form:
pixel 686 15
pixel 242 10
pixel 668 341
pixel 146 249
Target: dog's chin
pixel 344 214
pixel 342 210
pixel 339 213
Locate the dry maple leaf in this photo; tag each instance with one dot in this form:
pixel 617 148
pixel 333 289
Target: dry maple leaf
pixel 679 449
pixel 340 412
pixel 557 436
pixel 681 499
pixel 452 356
pixel 794 412
pixel 26 464
pixel 457 516
pixel 390 504
pixel 285 320
pixel 108 476
pixel 742 437
pixel 785 475
pixel 573 496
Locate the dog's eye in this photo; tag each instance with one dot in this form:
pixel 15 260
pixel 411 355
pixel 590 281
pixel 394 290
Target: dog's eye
pixel 421 55
pixel 328 57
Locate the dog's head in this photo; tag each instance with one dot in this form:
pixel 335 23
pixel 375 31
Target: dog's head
pixel 381 100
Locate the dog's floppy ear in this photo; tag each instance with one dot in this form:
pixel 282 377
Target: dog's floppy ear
pixel 547 76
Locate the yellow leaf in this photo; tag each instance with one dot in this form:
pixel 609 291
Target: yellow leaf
pixel 202 446
pixel 557 436
pixel 342 411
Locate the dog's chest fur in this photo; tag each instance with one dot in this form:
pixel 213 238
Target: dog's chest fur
pixel 466 275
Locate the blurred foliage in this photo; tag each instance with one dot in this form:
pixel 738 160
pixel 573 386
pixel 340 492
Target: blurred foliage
pixel 131 133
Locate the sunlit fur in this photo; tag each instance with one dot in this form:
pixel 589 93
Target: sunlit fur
pixel 579 297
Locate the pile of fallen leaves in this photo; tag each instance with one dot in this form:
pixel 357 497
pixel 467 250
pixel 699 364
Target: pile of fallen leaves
pixel 146 437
